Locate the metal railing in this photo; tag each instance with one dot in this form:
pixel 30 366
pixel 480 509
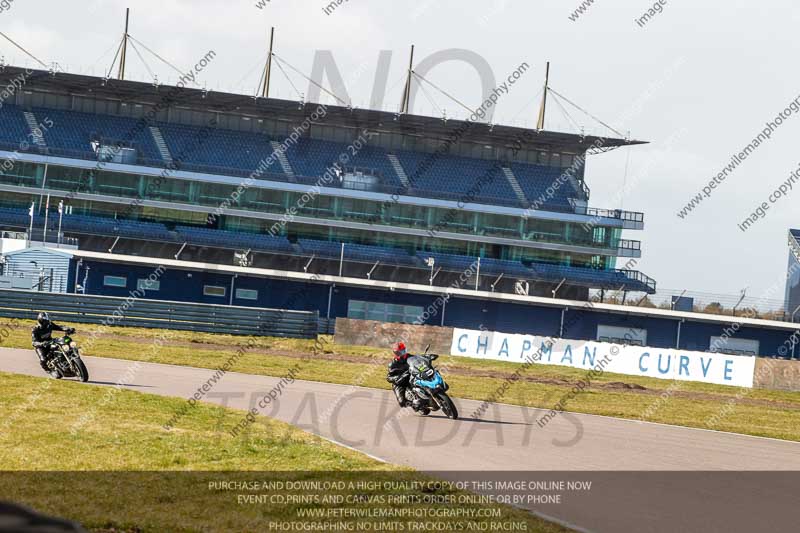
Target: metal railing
pixel 635 275
pixel 712 303
pixel 206 318
pixel 315 181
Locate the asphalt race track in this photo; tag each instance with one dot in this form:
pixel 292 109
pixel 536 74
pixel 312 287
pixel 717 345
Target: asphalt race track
pixel 508 439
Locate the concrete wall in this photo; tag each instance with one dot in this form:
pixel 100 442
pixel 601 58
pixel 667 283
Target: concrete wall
pixel 383 334
pixel 777 374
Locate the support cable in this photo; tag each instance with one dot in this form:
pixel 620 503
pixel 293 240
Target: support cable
pixel 136 49
pixel 286 75
pixel 431 100
pixel 566 114
pixel 395 84
pixel 99 59
pixel 624 179
pixel 173 67
pixel 579 108
pixel 114 61
pixel 309 79
pixel 9 39
pixel 443 92
pixel 251 70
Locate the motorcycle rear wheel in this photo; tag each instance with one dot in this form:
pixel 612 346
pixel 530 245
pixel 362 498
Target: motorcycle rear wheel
pixel 447 405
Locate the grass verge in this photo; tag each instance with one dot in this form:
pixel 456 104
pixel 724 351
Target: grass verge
pixel 123 472
pixel 749 411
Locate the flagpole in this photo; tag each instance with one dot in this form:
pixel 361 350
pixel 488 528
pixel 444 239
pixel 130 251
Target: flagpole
pixel 46 211
pixel 30 230
pixel 60 216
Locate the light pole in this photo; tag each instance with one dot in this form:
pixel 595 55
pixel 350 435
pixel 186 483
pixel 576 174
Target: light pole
pixel 46 212
pixel 554 291
pixel 741 298
pixel 233 284
pixel 30 228
pixel 60 217
pixel 431 262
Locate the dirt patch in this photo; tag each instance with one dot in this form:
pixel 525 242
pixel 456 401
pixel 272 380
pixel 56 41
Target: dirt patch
pixel 618 385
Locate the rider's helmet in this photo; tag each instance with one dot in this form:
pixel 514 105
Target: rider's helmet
pixel 399 349
pixel 43 319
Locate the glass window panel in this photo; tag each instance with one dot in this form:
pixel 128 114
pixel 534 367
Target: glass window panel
pixel 115 281
pixel 148 285
pixel 247 294
pixel 213 290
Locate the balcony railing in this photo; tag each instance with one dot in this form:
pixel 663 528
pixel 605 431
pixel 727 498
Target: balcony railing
pixel 316 181
pixel 635 275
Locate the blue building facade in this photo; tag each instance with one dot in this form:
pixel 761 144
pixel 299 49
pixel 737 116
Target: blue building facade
pixel 492 312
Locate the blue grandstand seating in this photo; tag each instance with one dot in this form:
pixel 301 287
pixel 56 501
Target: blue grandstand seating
pixel 72 132
pixel 370 254
pixel 456 176
pixel 488 266
pixel 535 179
pixel 311 157
pixel 320 248
pixel 227 239
pixel 217 148
pixel 358 252
pixel 600 278
pixel 238 153
pixel 14 128
pixel 14 217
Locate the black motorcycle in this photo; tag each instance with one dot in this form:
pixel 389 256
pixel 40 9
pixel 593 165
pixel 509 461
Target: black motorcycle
pixel 425 389
pixel 65 359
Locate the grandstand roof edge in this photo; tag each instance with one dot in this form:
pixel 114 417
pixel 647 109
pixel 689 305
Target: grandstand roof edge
pixel 168 95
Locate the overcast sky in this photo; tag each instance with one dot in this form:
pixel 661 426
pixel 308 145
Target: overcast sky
pixel 699 81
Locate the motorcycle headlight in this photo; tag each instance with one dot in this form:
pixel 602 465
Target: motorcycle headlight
pixel 73 344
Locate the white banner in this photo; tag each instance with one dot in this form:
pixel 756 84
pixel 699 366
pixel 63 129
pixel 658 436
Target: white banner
pixel 661 363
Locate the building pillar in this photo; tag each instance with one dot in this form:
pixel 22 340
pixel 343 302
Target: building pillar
pixel 41 172
pixel 194 192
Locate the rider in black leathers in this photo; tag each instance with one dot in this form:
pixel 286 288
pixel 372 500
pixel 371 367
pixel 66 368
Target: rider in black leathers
pixel 397 368
pixel 408 366
pixel 42 336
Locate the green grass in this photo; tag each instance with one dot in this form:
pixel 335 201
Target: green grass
pixel 124 472
pixel 750 411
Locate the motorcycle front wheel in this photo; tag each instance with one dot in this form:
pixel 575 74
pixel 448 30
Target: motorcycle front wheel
pixel 82 372
pixel 447 405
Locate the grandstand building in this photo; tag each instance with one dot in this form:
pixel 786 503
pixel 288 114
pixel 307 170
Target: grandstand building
pixel 793 277
pixel 300 191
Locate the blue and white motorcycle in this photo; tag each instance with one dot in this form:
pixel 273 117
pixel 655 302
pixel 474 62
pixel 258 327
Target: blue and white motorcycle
pixel 425 389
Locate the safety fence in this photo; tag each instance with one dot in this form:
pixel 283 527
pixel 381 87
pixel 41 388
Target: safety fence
pixel 134 312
